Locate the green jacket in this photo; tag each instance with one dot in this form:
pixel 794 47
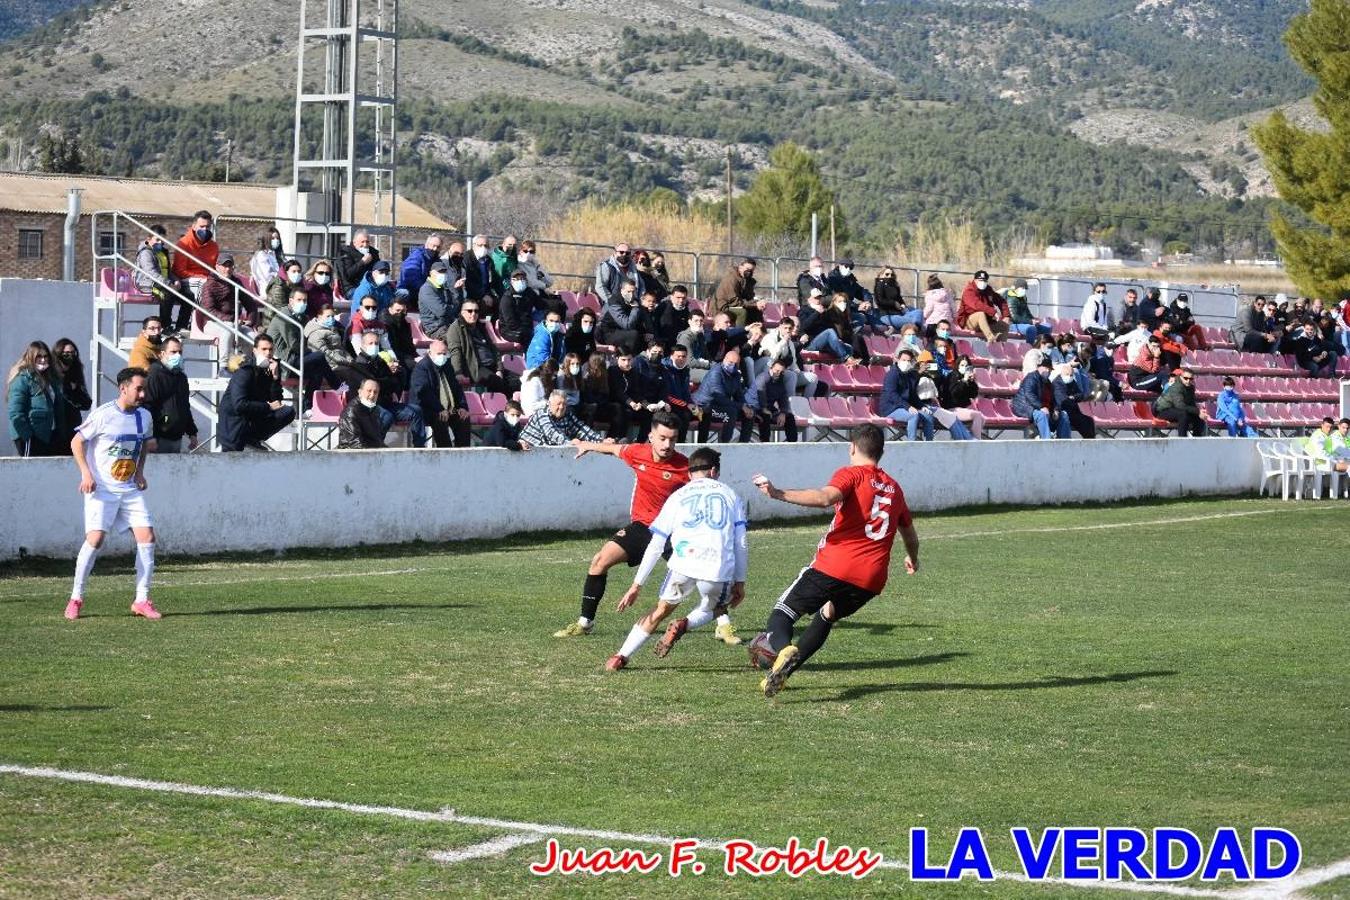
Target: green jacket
pixel 34 412
pixel 1177 396
pixel 503 264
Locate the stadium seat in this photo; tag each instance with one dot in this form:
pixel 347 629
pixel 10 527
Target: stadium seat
pixel 119 285
pixel 513 363
pixel 502 344
pixel 420 339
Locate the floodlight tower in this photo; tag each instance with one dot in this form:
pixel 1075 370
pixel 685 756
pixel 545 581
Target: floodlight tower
pixel 346 93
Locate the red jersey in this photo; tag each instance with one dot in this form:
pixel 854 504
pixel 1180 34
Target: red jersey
pixel 656 481
pixel 857 548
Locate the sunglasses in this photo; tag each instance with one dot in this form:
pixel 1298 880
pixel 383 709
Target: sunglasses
pixel 363 306
pixel 469 312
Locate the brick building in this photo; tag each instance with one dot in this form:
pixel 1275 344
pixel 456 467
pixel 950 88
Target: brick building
pixel 33 215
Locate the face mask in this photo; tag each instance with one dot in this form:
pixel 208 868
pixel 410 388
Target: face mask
pixel 587 328
pixel 276 244
pixel 174 360
pixel 439 359
pixel 845 271
pixel 1182 304
pixel 480 252
pixel 518 286
pixel 368 404
pixel 943 333
pixel 456 259
pixel 912 340
pixel 963 368
pixel 553 327
pixel 203 234
pixel 627 297
pixel 728 368
pixel 328 321
pixel 526 257
pixel 815 271
pixel 262 361
pixel 905 366
pixel 842 307
pixel 437 279
pixel 371 349
pixel 155 338
pixel 680 365
pixel 41 366
pixel 981 285
pixel 321 279
pixel 512 420
pixel 368 315
pixel 378 279
pixel 299 307
pixel 575 370
pixel 294 276
pixel 365 251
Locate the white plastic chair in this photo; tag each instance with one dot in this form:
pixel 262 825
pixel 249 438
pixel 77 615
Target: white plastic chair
pixel 1273 465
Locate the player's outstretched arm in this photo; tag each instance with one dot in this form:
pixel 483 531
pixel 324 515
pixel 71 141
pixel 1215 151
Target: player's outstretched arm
pixel 608 447
pixel 821 498
pixel 911 539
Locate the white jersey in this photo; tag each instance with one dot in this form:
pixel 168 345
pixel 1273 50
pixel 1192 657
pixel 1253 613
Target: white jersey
pixel 114 438
pixel 705 521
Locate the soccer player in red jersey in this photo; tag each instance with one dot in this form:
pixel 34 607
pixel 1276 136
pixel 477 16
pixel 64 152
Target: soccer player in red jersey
pixel 660 471
pixel 852 559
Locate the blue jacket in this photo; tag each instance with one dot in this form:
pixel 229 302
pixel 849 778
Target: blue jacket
pixel 767 394
pixel 415 269
pixel 543 346
pixel 720 390
pixel 1030 394
pixel 677 386
pixel 384 294
pixel 426 389
pixel 652 378
pixel 1230 407
pixel 899 390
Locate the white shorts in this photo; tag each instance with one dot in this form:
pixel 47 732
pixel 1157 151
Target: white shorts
pixel 108 512
pixel 677 588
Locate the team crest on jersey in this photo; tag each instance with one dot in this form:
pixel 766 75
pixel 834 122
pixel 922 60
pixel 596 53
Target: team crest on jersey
pixel 665 475
pixel 642 467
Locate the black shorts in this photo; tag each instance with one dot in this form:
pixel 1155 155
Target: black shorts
pixel 634 538
pixel 812 590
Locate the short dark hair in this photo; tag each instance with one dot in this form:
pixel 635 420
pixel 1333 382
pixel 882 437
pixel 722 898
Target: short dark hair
pixel 259 338
pixel 788 320
pixel 704 459
pixel 515 404
pixel 202 214
pixel 934 282
pixel 145 323
pixel 1328 420
pixel 664 419
pixel 679 348
pixel 294 263
pixel 130 372
pixel 159 230
pixel 656 342
pixel 171 340
pixel 749 260
pixel 905 352
pixel 869 440
pixel 679 289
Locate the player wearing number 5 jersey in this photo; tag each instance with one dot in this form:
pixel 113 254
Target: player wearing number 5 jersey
pixel 852 560
pixel 703 524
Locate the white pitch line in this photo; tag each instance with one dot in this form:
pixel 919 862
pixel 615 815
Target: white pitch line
pixel 535 831
pixel 498 846
pixel 1055 529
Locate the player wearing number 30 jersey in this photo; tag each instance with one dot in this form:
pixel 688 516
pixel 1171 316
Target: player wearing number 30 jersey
pixel 853 558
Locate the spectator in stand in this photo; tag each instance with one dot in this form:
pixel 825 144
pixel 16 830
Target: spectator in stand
pixel 767 398
pixel 372 364
pixel 366 317
pixel 1172 348
pixel 596 404
pixel 1146 371
pixel 70 372
pixel 721 399
pixel 1020 318
pixel 957 393
pixel 536 386
pixel 267 261
pixel 1065 353
pixel 626 395
pixel 982 309
pixel 482 283
pixel 929 396
pixel 1314 355
pixel 440 399
pixel 1101 367
pixel 695 341
pixel 652 268
pixel 812 278
pixel 146 348
pixel 516 310
pixel 252 409
pixel 620 320
pixel 1068 395
pixel 1342 320
pixel 375 284
pixel 781 345
pixel 556 426
pixel 1133 340
pixel 434 302
pixel 840 320
pixel 817 331
pixel 505 429
pixel 735 295
pixel 290 277
pixel 1228 410
pixel 841 280
pixel 1096 318
pixel 909 337
pixel 474 356
pixel 1041 349
pixel 723 337
pixel 752 351
pixel 1331 336
pixel 154 276
pixel 900 397
pixel 227 308
pixel 1184 324
pixel 672 316
pixel 197 253
pixel 1152 310
pixel 938 304
pixel 536 277
pixel 652 379
pixel 318 285
pixel 890 302
pixel 944 355
pixel 611 274
pixel 580 335
pixel 415 269
pixel 325 351
pixel 457 276
pixel 547 342
pixel 1129 312
pixel 1179 406
pixel 1035 402
pixel 166 397
pixel 287 338
pixel 36 404
pixel 569 380
pixel 398 331
pixel 679 396
pixel 504 257
pixel 360 426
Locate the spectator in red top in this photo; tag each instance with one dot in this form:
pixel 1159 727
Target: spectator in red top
pixel 853 560
pixel 199 241
pixel 1172 348
pixel 983 309
pixel 318 286
pixel 231 309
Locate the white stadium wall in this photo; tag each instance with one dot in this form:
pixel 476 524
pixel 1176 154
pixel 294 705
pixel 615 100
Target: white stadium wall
pixel 223 502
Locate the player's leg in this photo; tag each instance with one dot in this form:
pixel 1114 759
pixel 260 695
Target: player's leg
pixel 849 601
pixel 145 567
pixel 593 590
pixel 802 598
pixel 674 589
pixel 725 631
pixel 100 511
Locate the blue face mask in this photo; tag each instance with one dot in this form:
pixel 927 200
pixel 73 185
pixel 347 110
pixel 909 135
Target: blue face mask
pixel 329 321
pixel 203 234
pixel 729 368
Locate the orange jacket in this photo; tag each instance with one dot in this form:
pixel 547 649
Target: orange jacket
pixel 209 252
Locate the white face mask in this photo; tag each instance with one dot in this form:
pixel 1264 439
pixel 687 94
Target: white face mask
pixel 379 278
pixel 41 366
pixel 276 244
pixel 525 257
pixel 368 404
pixel 587 328
pixel 294 276
pixel 905 366
pixel 845 271
pixel 518 286
pixel 574 369
pixel 371 349
pixel 263 360
pixel 480 252
pixel 173 360
pixel 1182 304
pixel 816 271
pixel 963 368
pixel 512 419
pixel 365 251
pixel 368 315
pixel 321 279
pixel 436 278
pixel 981 285
pixel 439 359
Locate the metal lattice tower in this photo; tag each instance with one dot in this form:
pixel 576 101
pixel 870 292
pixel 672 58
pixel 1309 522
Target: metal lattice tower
pixel 346 93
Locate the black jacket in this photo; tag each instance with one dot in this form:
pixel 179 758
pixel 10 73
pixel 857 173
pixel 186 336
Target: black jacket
pixel 669 322
pixel 515 314
pixel 503 434
pixel 248 396
pixel 426 388
pixel 166 396
pixel 352 266
pixel 400 338
pixel 363 367
pixel 889 299
pixel 359 428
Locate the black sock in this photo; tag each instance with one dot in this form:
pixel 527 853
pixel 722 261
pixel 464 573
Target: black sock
pixel 779 629
pixel 813 638
pixel 592 594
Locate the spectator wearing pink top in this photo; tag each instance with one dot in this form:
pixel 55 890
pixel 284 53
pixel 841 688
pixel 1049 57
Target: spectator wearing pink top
pixel 938 304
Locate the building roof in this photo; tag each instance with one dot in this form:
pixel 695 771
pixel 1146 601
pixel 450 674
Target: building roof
pixel 43 193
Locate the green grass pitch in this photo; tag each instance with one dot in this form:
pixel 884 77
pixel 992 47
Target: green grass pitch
pixel 1153 664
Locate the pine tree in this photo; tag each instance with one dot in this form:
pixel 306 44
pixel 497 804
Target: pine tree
pixel 1311 170
pixel 783 196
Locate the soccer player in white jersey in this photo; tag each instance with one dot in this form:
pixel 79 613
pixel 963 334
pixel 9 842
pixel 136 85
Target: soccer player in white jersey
pixel 110 448
pixel 704 522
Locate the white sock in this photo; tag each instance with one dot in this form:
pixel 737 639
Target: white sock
pixel 699 617
pixel 145 568
pixel 583 622
pixel 84 564
pixel 723 619
pixel 636 638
